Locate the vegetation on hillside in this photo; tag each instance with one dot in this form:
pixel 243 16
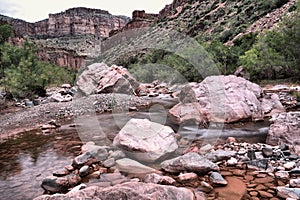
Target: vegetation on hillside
pixel 22 74
pixel 269 55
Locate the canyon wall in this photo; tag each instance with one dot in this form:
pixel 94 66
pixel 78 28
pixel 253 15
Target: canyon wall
pixel 139 19
pixel 74 21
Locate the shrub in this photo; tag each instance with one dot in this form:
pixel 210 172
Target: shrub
pixel 24 75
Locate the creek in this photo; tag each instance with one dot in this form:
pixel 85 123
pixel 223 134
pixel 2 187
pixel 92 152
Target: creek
pixel 27 158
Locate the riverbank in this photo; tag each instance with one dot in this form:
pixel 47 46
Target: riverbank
pixel 23 119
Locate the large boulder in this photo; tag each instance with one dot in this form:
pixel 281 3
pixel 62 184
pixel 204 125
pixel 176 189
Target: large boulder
pixel 191 162
pixel 285 129
pixel 100 78
pixel 224 99
pixel 145 140
pixel 132 191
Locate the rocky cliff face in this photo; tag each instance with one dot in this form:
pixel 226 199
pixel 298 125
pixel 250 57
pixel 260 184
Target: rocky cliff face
pixel 55 34
pixel 62 57
pixel 140 19
pixel 74 21
pixel 82 21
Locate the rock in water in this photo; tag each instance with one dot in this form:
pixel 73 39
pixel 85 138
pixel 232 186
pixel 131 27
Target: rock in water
pixel 133 167
pixel 217 179
pixel 99 78
pixel 132 191
pixel 55 184
pixel 145 140
pixel 285 128
pixel 191 162
pixel 223 99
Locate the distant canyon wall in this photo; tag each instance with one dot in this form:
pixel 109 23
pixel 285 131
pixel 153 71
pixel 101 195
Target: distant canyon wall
pixel 74 21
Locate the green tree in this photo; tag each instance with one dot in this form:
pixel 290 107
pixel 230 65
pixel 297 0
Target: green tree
pixel 24 75
pixel 6 31
pixel 276 54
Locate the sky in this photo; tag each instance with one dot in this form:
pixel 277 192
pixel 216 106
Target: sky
pixel 36 10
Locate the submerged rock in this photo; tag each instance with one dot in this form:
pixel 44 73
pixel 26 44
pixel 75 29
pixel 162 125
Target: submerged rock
pixel 191 162
pixel 145 140
pixel 133 167
pixel 55 184
pixel 217 179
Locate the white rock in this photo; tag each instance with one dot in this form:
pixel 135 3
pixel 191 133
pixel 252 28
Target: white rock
pixel 232 161
pixel 289 165
pixel 145 140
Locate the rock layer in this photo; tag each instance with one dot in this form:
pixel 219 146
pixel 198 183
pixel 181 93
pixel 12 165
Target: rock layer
pixel 74 21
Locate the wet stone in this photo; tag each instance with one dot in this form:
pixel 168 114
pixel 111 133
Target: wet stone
pixel 295 171
pixel 282 175
pixel 220 155
pixel 109 162
pixel 253 193
pixel 267 152
pixel 285 192
pixel 187 177
pixel 251 154
pixel 82 159
pixel 289 165
pixel 191 162
pixel 217 179
pixel 205 187
pixel 265 194
pixel 61 173
pixel 232 161
pixel 69 167
pixel 55 184
pixel 257 164
pixel 158 179
pixel 295 183
pixel 263 180
pixel 84 171
pixel 117 155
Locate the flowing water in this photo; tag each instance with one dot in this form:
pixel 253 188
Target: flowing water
pixel 29 157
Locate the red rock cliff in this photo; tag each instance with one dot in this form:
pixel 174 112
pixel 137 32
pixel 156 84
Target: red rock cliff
pixel 74 21
pixel 140 19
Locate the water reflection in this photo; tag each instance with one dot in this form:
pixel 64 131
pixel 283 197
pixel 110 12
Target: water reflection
pixel 28 158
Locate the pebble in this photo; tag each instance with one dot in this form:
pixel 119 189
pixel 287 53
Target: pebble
pixel 295 183
pixel 265 194
pixel 282 175
pixel 187 177
pixel 109 162
pixel 289 165
pixel 84 170
pixel 232 161
pixel 217 179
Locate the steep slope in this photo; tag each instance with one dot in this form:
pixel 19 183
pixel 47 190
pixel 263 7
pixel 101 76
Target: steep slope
pixel 92 33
